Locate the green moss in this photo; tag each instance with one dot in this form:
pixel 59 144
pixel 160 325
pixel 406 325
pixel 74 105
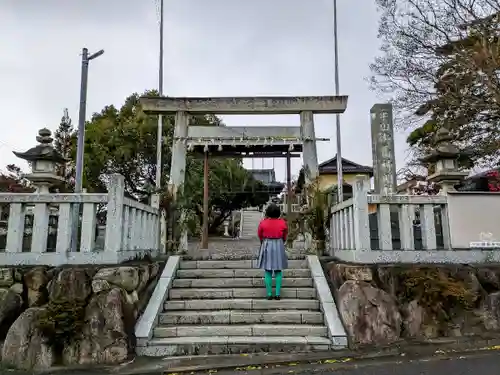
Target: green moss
pixel 61 323
pixel 438 290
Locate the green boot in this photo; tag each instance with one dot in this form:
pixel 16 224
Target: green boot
pixel 268 281
pixel 279 279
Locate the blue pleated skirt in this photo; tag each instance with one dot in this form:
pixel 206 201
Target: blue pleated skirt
pixel 272 255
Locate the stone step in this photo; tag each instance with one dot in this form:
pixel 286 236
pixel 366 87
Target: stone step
pixel 232 264
pixel 241 316
pixel 241 330
pixel 178 346
pixel 218 293
pixel 242 304
pixel 239 282
pixel 245 272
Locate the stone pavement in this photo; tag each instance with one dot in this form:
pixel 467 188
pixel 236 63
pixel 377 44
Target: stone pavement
pixel 229 248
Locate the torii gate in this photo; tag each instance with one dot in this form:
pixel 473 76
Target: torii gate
pixel 242 141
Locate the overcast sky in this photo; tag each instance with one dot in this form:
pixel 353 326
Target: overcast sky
pixel 212 48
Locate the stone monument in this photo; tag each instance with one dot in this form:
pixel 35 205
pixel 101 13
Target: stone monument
pixel 384 163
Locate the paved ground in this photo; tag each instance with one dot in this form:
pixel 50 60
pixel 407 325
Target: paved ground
pixel 483 364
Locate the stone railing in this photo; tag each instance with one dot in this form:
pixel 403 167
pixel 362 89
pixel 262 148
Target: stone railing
pixel 389 222
pixel 373 228
pixel 37 228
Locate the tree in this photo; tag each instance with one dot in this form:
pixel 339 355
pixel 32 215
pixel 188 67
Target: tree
pixel 124 141
pixel 65 144
pixel 440 62
pixel 12 181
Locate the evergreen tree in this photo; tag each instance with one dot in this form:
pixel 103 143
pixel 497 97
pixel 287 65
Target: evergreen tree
pixel 64 140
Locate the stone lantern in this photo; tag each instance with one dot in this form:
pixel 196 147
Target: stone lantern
pixel 43 160
pixel 445 158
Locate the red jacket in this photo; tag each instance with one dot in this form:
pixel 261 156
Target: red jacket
pixel 272 228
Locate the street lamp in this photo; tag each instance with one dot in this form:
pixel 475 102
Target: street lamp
pixel 81 138
pixel 81 116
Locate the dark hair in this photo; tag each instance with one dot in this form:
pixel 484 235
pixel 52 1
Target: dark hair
pixel 273 211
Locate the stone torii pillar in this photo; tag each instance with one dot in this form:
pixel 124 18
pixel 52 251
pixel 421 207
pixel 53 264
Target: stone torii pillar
pixel 178 163
pixel 310 153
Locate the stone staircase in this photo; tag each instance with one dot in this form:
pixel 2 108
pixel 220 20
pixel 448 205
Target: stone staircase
pixel 220 307
pixel 249 223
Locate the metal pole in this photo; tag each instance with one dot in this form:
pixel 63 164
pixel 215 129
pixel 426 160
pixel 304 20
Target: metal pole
pixel 80 146
pixel 81 121
pixel 204 241
pixel 340 174
pixel 159 141
pixel 288 186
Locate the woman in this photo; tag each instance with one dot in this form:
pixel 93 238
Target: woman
pixel 272 256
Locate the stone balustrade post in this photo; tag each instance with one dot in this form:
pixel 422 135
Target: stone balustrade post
pixel 360 214
pixel 114 216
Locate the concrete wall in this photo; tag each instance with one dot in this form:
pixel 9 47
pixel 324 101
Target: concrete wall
pixel 473 216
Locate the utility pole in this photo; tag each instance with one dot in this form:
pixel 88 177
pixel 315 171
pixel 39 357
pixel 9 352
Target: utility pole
pixel 81 117
pixel 160 117
pixel 80 148
pixel 340 174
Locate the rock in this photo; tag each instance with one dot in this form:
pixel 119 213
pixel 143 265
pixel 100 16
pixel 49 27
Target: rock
pixel 154 268
pixel 125 277
pixel 348 272
pixel 18 275
pixel 17 288
pixel 387 279
pixel 24 346
pixel 489 311
pixel 414 316
pixel 36 298
pixel 70 285
pixel 488 278
pixel 144 277
pixel 6 277
pixel 100 285
pixel 132 298
pixel 10 307
pixel 36 278
pixel 370 315
pixel 36 281
pixel 472 284
pixel 107 332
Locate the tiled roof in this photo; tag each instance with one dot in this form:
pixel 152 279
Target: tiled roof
pixel 348 166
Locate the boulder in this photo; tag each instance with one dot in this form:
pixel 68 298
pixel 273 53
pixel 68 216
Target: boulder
pixel 36 281
pixel 107 333
pixel 100 285
pixel 71 285
pixel 488 278
pixel 6 277
pixel 489 311
pixel 10 306
pixel 17 288
pixel 125 277
pixel 154 268
pixel 25 347
pixel 414 316
pixel 144 276
pixel 370 315
pixel 36 278
pixel 339 273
